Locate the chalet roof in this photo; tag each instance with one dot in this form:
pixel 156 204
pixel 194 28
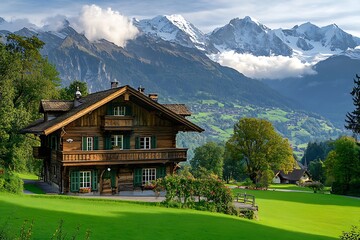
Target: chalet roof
pixel 55 105
pixel 180 109
pixel 98 99
pixel 294 175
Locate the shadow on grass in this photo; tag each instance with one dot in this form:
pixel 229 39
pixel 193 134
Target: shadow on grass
pixel 118 220
pixel 307 198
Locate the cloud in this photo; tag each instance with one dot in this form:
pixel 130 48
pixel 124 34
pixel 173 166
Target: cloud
pixel 54 23
pixel 17 24
pixel 97 23
pixel 262 67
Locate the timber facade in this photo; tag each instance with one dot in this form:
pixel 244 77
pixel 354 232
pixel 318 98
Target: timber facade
pixel 110 141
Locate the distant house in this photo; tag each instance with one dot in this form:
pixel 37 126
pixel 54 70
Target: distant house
pixel 109 141
pixel 293 177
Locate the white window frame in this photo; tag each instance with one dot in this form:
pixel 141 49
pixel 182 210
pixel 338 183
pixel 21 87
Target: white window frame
pixel 85 179
pixel 148 175
pixel 145 143
pixel 117 141
pixel 89 143
pixel 119 111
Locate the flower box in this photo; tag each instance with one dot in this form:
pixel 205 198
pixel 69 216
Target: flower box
pixel 84 190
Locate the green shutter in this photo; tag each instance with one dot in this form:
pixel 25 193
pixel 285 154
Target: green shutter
pixel 160 172
pixel 74 181
pixel 94 180
pixel 96 143
pixel 126 144
pixel 153 141
pixel 84 144
pixel 107 142
pixel 113 178
pixel 137 142
pixel 137 177
pixel 128 111
pixel 109 109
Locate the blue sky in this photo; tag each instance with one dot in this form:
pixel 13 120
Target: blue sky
pixel 204 14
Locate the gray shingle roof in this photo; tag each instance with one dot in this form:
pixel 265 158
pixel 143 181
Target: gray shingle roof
pixel 39 127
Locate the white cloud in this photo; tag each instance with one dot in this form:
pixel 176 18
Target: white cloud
pixel 17 24
pixel 54 23
pixel 97 23
pixel 263 67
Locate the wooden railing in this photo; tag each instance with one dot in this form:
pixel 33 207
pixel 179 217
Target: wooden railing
pixel 245 198
pixel 117 122
pixel 122 156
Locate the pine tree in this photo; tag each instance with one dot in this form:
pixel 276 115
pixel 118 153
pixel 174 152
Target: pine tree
pixel 353 118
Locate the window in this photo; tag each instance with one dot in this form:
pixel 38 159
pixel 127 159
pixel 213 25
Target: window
pixel 89 143
pixel 119 111
pixel 117 141
pixel 145 142
pixel 85 179
pixel 148 175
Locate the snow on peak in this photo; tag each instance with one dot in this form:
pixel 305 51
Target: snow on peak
pixel 174 28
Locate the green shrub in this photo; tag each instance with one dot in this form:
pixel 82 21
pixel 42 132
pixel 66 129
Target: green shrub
pixel 209 193
pixel 353 234
pixel 10 182
pixel 315 186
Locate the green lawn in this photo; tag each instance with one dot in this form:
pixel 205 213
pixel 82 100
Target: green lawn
pixel 282 216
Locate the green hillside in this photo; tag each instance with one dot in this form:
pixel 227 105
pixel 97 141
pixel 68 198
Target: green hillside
pixel 218 119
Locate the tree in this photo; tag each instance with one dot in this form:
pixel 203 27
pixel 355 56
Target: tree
pixel 68 93
pixel 317 170
pixel 316 151
pixel 256 143
pixel 343 163
pixel 25 78
pixel 233 169
pixel 210 157
pixel 353 119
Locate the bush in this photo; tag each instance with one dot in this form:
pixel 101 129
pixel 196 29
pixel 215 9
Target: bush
pixel 211 193
pixel 10 182
pixel 351 189
pixel 353 234
pixel 315 186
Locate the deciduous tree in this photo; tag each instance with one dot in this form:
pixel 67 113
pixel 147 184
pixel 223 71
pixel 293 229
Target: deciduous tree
pixel 68 93
pixel 256 143
pixel 210 157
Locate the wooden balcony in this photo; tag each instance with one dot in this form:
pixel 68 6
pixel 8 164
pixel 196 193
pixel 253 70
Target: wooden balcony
pixel 103 157
pixel 41 152
pixel 117 122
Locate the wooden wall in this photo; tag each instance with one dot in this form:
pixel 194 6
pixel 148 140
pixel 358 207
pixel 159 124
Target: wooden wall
pixel 146 123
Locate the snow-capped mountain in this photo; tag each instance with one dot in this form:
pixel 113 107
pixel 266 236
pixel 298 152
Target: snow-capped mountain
pixel 307 42
pixel 311 43
pixel 174 28
pixel 249 36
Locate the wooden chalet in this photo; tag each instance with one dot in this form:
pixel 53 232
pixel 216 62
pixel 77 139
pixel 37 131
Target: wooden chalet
pixel 109 141
pixel 294 177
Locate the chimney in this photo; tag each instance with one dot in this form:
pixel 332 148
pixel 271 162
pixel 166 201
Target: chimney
pixel 141 89
pixel 154 96
pixel 114 84
pixel 77 101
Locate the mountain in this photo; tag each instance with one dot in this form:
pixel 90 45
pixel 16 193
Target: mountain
pixel 307 41
pixel 248 36
pixel 166 60
pixel 327 92
pixel 174 28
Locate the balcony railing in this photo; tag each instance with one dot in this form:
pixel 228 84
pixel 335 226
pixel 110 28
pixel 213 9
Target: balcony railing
pixel 122 156
pixel 117 122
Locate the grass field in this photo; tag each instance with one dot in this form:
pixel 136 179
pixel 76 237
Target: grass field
pixel 282 215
